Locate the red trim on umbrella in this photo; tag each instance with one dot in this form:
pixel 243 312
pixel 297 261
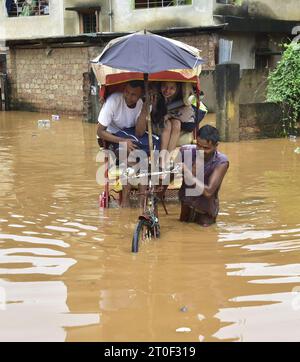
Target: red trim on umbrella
pixel 116 82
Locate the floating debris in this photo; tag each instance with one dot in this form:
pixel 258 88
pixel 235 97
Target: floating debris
pixel 55 117
pixel 200 317
pixel 297 150
pixel 184 309
pixel 44 123
pixel 292 138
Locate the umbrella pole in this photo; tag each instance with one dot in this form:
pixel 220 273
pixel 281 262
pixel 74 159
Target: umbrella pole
pixel 148 118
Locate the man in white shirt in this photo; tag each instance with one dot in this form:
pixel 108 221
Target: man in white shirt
pixel 123 119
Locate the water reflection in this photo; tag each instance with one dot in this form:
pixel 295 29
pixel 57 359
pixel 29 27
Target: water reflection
pixel 39 265
pixel 273 319
pixel 37 311
pixel 33 240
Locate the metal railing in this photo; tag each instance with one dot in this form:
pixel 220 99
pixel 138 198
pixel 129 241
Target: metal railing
pixel 16 8
pixel 144 4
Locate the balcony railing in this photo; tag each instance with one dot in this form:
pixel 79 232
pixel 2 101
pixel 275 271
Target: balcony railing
pixel 16 8
pixel 145 4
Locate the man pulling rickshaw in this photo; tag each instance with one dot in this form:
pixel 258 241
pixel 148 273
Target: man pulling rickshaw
pixel 169 66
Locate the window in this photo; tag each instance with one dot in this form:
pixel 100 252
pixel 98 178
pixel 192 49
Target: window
pixel 230 2
pixel 89 20
pixel 89 23
pixel 89 17
pixel 145 4
pixel 16 8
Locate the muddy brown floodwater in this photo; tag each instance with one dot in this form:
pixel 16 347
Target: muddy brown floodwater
pixel 67 273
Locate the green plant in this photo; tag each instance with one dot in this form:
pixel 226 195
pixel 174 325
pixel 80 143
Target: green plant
pixel 284 87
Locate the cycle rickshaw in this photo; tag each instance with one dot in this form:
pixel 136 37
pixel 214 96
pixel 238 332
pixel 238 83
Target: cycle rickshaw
pixel 180 63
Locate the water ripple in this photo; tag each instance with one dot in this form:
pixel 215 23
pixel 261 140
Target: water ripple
pixel 34 240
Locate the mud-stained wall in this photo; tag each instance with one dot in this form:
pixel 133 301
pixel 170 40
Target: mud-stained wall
pixel 253 85
pixel 284 10
pixel 126 18
pixel 123 18
pixel 260 120
pixel 243 48
pixel 71 18
pixel 271 9
pixel 59 22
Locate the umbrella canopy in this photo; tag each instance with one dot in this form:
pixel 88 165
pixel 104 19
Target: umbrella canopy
pixel 107 76
pixel 148 53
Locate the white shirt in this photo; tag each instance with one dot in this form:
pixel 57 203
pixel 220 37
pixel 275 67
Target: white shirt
pixel 116 115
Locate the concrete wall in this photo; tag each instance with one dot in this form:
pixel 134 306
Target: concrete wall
pixel 253 85
pixel 126 18
pixel 243 50
pixel 284 10
pixel 71 18
pixel 245 47
pixel 207 85
pixel 272 9
pixel 58 23
pixel 33 26
pixel 260 120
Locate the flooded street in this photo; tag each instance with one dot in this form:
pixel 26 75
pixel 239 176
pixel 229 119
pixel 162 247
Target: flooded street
pixel 67 272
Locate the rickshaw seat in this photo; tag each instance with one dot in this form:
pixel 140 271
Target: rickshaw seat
pixel 184 138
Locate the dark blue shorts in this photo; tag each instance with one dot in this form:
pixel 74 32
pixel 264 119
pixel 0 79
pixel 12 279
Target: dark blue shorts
pixel 141 142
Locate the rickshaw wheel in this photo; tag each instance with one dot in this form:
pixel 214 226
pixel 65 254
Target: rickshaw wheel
pixel 142 230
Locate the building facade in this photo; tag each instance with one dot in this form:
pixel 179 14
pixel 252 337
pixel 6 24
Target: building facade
pixel 51 42
pixel 23 19
pixel 48 69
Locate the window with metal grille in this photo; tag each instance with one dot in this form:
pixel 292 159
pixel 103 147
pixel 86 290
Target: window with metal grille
pixel 89 22
pixel 229 2
pixel 144 4
pixel 17 8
